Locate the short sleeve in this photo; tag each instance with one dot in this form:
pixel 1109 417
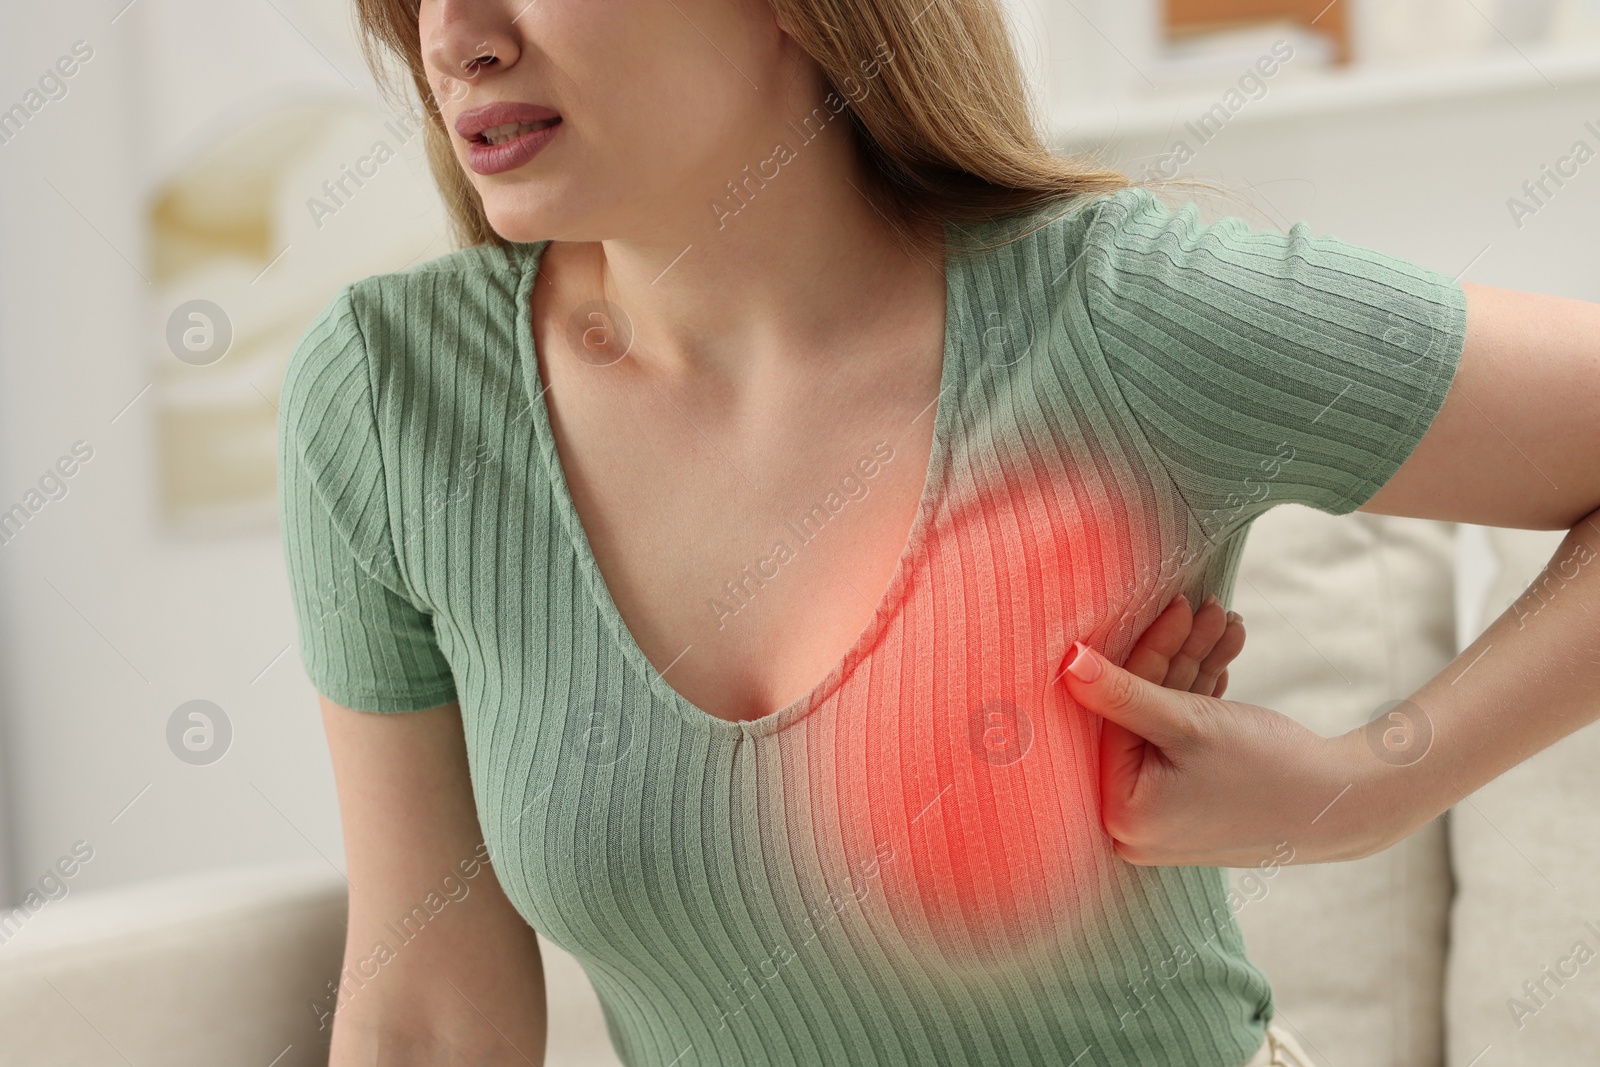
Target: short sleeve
pixel 364 641
pixel 1265 367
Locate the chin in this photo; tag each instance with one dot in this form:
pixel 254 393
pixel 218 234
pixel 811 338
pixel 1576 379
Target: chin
pixel 539 210
pixel 521 227
pixel 526 218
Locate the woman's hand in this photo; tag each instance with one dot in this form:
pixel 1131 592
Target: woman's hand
pixel 1189 779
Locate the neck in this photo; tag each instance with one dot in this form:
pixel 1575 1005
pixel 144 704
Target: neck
pixel 797 266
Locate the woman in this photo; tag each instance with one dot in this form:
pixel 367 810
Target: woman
pixel 754 514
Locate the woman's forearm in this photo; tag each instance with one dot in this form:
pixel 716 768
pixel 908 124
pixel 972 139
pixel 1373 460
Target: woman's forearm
pixel 1530 679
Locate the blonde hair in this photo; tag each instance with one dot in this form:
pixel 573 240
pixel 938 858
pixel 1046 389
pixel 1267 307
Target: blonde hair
pixel 946 130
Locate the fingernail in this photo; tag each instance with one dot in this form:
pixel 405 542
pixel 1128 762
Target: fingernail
pixel 1234 616
pixel 1085 665
pixel 1183 599
pixel 1211 598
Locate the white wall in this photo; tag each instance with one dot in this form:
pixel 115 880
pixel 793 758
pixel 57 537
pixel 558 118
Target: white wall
pixel 70 305
pixel 108 621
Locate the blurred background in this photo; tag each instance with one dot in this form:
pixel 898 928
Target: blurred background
pixel 184 184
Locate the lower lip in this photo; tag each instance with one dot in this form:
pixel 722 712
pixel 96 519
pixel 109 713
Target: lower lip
pixel 496 158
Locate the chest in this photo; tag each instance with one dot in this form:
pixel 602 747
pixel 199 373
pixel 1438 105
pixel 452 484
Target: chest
pixel 945 785
pixel 746 534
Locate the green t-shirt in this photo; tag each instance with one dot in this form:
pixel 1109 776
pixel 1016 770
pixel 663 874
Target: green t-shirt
pixel 907 864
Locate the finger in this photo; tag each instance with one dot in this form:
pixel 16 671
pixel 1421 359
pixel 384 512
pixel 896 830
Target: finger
pixel 1161 640
pixel 1222 684
pixel 1209 623
pixel 1161 716
pixel 1224 652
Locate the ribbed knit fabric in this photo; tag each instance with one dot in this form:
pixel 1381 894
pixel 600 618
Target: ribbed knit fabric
pixel 906 865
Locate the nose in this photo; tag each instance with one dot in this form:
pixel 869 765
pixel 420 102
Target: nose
pixel 462 39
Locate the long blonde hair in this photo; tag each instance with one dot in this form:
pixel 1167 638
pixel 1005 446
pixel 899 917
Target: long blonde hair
pixel 946 132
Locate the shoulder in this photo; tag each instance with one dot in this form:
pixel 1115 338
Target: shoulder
pixel 1134 240
pixel 479 277
pixel 1134 235
pixel 1125 230
pixel 1033 266
pixel 393 322
pixel 1052 248
pixel 395 294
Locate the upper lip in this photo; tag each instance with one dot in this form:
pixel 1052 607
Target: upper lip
pixel 470 124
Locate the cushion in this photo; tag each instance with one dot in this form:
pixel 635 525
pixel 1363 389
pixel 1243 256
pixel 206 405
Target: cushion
pixel 214 968
pixel 1344 613
pixel 1524 973
pixel 192 971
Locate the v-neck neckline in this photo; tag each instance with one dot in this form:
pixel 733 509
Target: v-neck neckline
pixel 956 269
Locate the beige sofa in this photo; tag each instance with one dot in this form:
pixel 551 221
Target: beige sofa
pixel 1405 959
pixel 216 970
